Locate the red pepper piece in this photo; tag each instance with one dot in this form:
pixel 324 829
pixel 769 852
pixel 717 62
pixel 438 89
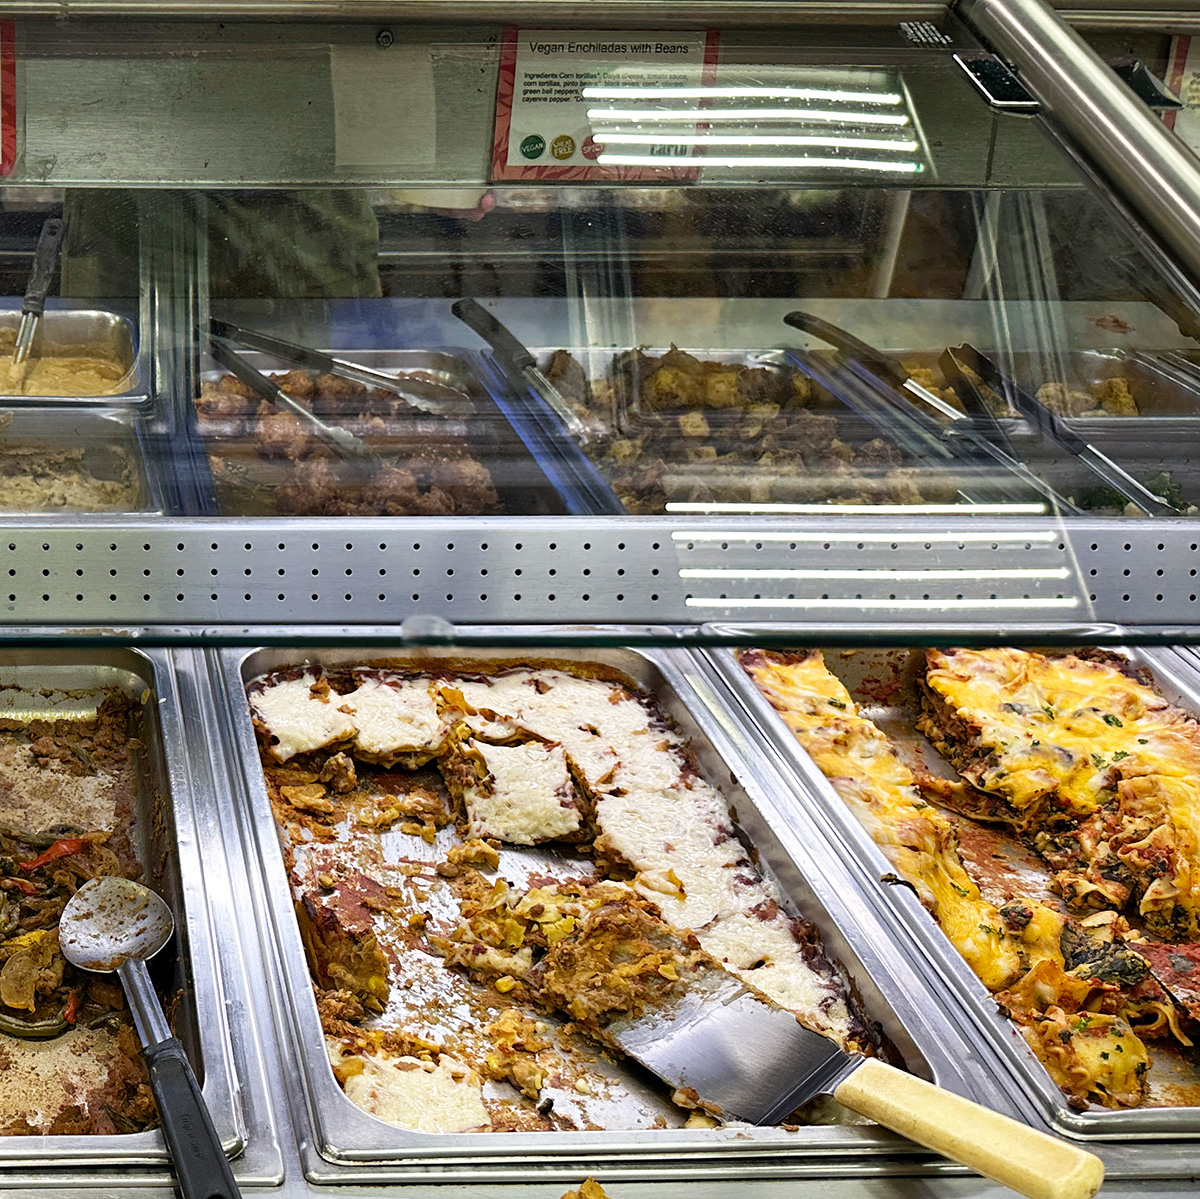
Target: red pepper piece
pixel 21 884
pixel 60 849
pixel 71 1007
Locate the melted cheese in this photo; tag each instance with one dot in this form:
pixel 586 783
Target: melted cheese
pixel 917 839
pixel 525 796
pixel 413 1094
pixel 299 719
pixel 394 715
pixel 1065 737
pixel 764 955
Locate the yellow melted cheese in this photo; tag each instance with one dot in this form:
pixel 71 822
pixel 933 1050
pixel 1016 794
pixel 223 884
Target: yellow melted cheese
pixel 1066 736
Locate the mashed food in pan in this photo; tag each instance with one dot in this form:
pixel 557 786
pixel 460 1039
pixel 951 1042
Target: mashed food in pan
pixel 84 373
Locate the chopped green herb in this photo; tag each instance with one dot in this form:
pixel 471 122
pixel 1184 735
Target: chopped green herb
pixel 1115 721
pixel 987 928
pixel 1121 753
pixel 1048 710
pixel 837 703
pixel 1098 761
pixel 1104 1055
pixel 1143 741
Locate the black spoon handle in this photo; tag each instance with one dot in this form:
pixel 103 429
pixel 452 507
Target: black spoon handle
pixel 199 1160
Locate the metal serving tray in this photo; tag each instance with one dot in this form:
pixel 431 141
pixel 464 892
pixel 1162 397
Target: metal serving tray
pixel 347 1145
pixel 883 682
pixel 522 483
pixel 1164 397
pixel 77 331
pixel 808 489
pixel 112 441
pixel 165 836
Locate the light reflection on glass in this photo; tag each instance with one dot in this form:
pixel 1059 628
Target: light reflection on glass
pixel 886 604
pixel 848 164
pixel 1060 572
pixel 836 96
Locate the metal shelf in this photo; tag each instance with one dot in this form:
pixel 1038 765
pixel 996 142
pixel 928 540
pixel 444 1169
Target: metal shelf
pixel 985 578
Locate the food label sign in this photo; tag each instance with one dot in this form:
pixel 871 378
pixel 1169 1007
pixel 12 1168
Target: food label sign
pixel 543 130
pixel 8 98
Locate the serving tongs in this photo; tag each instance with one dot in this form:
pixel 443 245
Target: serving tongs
pixel 411 391
pixel 897 420
pixel 45 259
pixel 1052 427
pixel 340 440
pixel 516 360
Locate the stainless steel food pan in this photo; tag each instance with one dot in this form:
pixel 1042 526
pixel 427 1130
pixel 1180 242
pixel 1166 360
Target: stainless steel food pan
pixel 81 331
pixel 883 682
pixel 734 485
pixel 165 836
pixel 349 1145
pixel 112 449
pixel 235 481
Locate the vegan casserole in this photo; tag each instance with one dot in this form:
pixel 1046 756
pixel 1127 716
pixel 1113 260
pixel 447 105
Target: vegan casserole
pixel 488 863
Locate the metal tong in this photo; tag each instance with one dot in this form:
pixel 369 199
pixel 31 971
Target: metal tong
pixel 516 360
pixel 409 391
pixel 1053 427
pixel 45 259
pixel 340 440
pixel 978 427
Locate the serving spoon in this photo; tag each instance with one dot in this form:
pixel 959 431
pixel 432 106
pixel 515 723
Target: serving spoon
pixel 116 924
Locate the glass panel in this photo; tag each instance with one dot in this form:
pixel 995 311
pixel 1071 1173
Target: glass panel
pixel 752 322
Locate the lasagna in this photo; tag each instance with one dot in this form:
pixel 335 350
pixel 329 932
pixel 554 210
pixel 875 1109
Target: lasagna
pixel 1088 766
pixel 488 863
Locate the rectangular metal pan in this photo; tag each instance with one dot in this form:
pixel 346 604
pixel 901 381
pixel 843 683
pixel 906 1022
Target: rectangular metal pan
pixel 349 1145
pixel 882 680
pixel 747 485
pixel 80 331
pixel 114 446
pixel 524 487
pixel 165 836
pixel 1165 398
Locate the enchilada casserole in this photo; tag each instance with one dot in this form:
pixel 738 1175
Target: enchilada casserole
pixel 488 862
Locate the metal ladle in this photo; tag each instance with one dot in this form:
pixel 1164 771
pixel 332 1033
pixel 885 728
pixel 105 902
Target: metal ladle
pixel 116 924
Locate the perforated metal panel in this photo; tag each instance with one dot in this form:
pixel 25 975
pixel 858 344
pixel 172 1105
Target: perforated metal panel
pixel 580 571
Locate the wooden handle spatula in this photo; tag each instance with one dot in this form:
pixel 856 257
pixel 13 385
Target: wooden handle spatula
pixel 738 1052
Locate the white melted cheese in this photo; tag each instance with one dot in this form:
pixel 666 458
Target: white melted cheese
pixel 300 721
pixel 526 797
pixel 741 942
pixel 395 715
pixel 417 1095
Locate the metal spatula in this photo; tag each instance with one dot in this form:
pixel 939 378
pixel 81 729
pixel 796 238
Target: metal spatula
pixel 116 924
pixel 737 1051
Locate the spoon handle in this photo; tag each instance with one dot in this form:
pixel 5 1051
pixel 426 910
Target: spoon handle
pixel 200 1164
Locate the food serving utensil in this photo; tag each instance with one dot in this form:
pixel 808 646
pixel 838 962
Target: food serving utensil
pixel 1053 427
pixel 45 259
pixel 516 360
pixel 421 396
pixel 733 1050
pixel 978 426
pixel 116 924
pixel 340 440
